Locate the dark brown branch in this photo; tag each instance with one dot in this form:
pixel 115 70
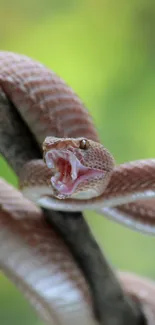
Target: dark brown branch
pixel 111 305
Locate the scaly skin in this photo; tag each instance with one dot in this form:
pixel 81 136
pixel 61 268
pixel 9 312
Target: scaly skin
pixel 36 259
pixel 39 95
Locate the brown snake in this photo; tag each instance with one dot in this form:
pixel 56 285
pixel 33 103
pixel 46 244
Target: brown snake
pixel 78 172
pixel 82 176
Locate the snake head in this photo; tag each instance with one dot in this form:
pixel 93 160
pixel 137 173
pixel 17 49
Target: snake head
pixel 81 167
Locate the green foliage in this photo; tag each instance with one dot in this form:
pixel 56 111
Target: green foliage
pixel 105 50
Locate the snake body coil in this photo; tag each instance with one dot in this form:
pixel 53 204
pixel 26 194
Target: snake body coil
pixel 60 123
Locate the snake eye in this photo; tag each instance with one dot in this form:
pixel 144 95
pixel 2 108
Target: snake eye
pixel 84 144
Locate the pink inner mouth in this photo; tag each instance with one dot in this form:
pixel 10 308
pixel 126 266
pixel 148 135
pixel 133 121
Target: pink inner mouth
pixel 69 171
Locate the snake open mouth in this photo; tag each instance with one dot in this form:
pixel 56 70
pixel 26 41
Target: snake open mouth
pixel 68 171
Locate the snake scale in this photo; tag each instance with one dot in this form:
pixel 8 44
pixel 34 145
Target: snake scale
pixel 76 173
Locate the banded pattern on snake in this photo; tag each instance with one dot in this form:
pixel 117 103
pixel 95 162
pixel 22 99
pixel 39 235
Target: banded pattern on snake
pixel 73 178
pixel 77 172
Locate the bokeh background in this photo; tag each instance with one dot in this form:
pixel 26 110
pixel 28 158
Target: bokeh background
pixel 106 51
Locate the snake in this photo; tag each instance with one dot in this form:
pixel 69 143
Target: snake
pixel 35 258
pixel 76 172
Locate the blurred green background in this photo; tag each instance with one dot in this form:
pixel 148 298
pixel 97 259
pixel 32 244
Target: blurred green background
pixel 106 51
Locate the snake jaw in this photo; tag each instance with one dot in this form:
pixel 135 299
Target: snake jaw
pixel 68 172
